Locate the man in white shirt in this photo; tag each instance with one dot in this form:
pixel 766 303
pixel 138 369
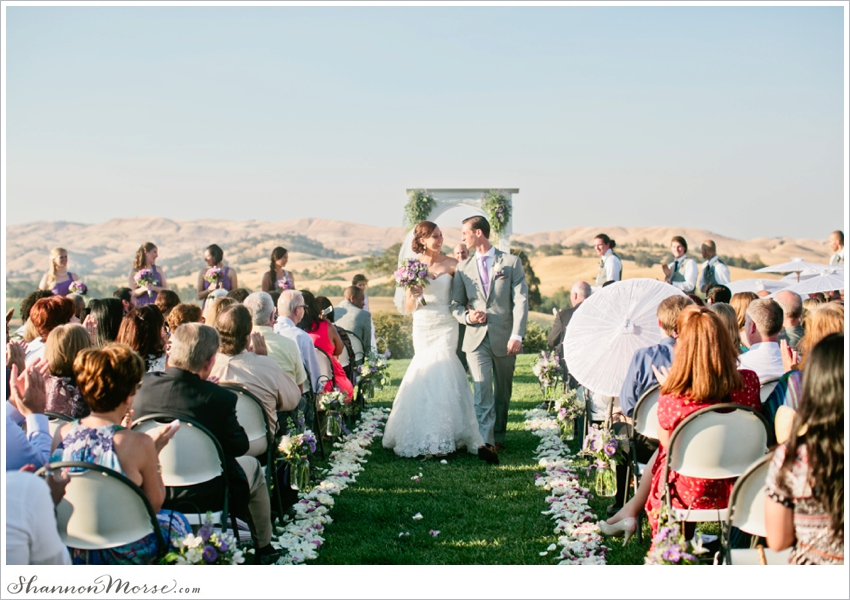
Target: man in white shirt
pixel 610 267
pixel 682 272
pixel 290 310
pixel 713 271
pixel 836 244
pixel 761 329
pixel 32 537
pixel 283 350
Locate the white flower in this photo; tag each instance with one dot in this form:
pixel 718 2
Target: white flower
pixel 192 541
pixel 417 516
pixel 444 462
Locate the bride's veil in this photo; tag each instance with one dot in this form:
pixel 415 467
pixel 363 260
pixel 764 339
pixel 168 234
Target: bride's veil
pixel 406 252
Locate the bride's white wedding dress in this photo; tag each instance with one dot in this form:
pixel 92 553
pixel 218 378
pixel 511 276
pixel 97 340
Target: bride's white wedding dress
pixel 434 411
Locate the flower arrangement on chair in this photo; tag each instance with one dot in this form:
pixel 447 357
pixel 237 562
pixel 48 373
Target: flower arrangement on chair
pixel 548 372
pixel 607 450
pixel 296 450
pixel 669 546
pixel 208 547
pixel 337 405
pixel 374 373
pixel 567 409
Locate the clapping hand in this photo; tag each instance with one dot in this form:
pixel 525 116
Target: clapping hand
pixel 790 357
pixel 162 435
pixel 28 390
pixel 667 271
pixel 16 352
pixel 90 323
pixel 257 344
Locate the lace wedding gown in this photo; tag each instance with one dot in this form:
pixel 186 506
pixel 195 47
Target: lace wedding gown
pixel 434 410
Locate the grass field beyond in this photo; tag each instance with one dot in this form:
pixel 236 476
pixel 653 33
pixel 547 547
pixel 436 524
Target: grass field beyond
pixel 485 514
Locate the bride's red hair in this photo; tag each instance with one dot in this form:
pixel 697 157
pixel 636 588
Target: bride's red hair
pixel 423 230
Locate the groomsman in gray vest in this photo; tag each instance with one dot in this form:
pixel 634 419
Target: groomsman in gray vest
pixel 682 272
pixel 610 267
pixel 490 297
pixel 713 271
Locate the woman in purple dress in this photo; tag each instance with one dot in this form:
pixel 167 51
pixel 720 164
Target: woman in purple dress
pixel 215 276
pixel 58 280
pixel 146 292
pixel 277 277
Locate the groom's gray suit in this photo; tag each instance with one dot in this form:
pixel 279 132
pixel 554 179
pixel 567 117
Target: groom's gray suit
pixel 486 344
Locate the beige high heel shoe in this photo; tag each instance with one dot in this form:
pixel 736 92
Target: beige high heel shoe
pixel 627 526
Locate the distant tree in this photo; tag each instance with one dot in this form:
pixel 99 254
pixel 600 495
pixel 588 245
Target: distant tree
pixel 530 278
pixel 560 300
pixel 385 263
pixel 550 249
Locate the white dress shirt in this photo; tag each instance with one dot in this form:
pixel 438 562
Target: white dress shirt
pixel 688 269
pixel 837 258
pixel 765 359
pixel 32 537
pixel 613 268
pixel 285 327
pixel 721 272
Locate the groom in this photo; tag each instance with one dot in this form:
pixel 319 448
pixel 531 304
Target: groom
pixel 490 297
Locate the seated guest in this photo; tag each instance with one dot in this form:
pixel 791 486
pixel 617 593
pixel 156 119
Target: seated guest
pixel 730 320
pixel 695 299
pixel 704 372
pixel 145 258
pixel 79 305
pixel 215 304
pixel 46 315
pixel 360 281
pixel 127 298
pixel 281 349
pixel 351 315
pixel 326 338
pixel 640 378
pixel 143 329
pixel 239 294
pixel 58 279
pixel 63 395
pixel 183 390
pixel 836 244
pixel 277 277
pixel 261 375
pixel 32 535
pixel 183 313
pixel 610 267
pixel 741 302
pixel 761 328
pixel 327 308
pixel 214 257
pixel 804 508
pixel 789 390
pixel 27 400
pixel 717 294
pixel 105 314
pixel 713 271
pixel 290 310
pixel 166 300
pixel 682 272
pixel 578 294
pixel 792 315
pixel 26 306
pixel 108 379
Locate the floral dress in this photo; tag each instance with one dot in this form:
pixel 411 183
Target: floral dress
pixel 693 492
pixel 96 446
pixel 815 544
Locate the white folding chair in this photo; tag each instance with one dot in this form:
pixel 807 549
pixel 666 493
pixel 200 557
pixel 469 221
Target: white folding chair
pixel 103 509
pixel 645 423
pixel 767 388
pixel 358 347
pixel 55 421
pixel 326 374
pixel 713 444
pixel 746 512
pixel 344 359
pixel 193 456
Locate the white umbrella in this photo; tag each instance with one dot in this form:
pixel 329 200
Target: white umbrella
pixel 796 265
pixel 825 282
pixel 608 327
pixel 757 285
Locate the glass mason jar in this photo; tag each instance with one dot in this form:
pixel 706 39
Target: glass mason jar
pixel 568 430
pixel 368 389
pixel 300 475
pixel 334 424
pixel 606 482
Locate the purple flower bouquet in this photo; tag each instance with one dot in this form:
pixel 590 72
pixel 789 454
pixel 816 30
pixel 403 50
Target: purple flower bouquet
pixel 412 273
pixel 78 287
pixel 145 278
pixel 214 275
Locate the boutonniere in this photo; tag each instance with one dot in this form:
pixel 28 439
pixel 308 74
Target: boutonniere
pixel 601 262
pixel 499 274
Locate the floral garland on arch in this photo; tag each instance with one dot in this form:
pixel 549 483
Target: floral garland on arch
pixel 575 522
pixel 301 537
pixel 419 206
pixel 498 209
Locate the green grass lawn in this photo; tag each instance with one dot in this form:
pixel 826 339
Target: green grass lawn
pixel 485 514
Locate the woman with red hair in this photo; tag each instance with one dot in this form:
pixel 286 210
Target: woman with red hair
pixel 46 315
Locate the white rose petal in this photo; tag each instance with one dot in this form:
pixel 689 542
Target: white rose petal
pixel 417 516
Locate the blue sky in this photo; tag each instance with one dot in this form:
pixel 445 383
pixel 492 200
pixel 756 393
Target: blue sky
pixel 730 119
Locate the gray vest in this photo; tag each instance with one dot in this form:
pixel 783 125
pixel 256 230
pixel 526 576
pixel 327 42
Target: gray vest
pixel 678 274
pixel 708 277
pixel 602 276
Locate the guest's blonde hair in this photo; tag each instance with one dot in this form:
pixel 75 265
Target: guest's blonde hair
pixel 741 302
pixel 827 319
pixel 62 346
pixel 215 306
pixel 730 320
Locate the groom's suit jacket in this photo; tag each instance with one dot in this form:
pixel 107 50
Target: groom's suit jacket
pixel 506 302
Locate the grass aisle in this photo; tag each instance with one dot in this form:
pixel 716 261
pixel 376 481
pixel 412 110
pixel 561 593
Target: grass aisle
pixel 485 514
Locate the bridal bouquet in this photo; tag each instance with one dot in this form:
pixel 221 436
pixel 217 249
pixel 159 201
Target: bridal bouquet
pixel 336 404
pixel 78 287
pixel 669 546
pixel 296 450
pixel 145 278
pixel 412 273
pixel 214 275
pixel 547 369
pixel 207 548
pixel 374 373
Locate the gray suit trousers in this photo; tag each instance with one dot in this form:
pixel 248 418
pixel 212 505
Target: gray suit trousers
pixel 492 382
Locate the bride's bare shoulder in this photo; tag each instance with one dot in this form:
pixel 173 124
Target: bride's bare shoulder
pixel 448 265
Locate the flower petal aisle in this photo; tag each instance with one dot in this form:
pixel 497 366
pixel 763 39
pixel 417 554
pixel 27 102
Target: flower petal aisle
pixel 575 521
pixel 302 537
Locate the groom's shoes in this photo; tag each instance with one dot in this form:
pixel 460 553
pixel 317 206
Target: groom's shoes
pixel 488 454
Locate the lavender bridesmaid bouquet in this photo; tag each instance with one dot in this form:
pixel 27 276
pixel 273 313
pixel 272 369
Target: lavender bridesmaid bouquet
pixel 214 275
pixel 412 273
pixel 78 287
pixel 145 278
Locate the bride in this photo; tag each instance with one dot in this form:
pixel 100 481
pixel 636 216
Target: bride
pixel 434 411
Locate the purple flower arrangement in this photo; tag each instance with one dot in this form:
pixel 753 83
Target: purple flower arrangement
pixel 669 546
pixel 412 273
pixel 78 287
pixel 285 283
pixel 605 448
pixel 144 278
pixel 208 547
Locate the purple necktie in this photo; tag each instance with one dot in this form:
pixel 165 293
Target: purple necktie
pixel 485 278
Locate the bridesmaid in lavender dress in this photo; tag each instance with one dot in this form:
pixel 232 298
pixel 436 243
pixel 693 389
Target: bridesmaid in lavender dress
pixel 58 279
pixel 146 257
pixel 213 255
pixel 277 277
